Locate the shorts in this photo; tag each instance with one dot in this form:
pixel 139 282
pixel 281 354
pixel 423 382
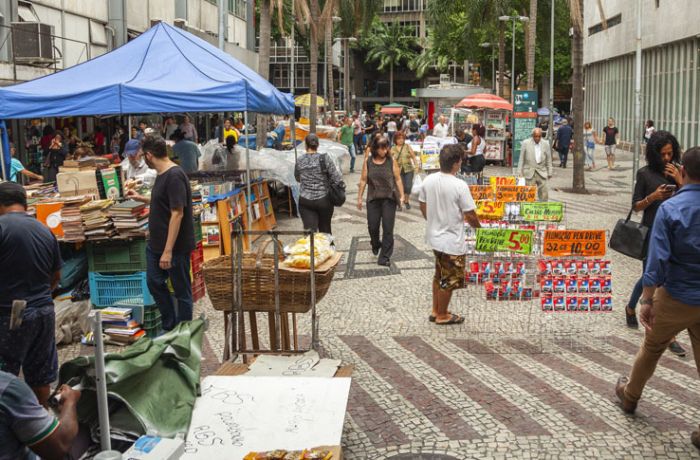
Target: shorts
pixel 610 149
pixel 449 271
pixel 32 347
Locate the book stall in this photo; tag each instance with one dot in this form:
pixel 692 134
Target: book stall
pixel 153 385
pixel 544 279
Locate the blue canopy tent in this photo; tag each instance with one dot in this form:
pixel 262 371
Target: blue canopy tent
pixel 165 69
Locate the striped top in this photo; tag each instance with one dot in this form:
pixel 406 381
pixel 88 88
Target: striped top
pixel 309 174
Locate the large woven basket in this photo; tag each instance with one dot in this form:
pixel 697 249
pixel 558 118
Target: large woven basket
pixel 259 283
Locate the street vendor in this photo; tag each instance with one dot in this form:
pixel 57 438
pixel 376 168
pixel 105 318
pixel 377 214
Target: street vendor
pixel 135 169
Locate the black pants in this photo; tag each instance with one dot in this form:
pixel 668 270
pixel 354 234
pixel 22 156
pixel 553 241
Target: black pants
pixel 316 215
pixel 474 164
pixel 382 211
pixel 563 156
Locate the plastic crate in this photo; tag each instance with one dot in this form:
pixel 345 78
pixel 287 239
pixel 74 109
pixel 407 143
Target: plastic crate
pixel 106 290
pixel 155 332
pixel 197 230
pixel 198 287
pixel 117 256
pixel 197 258
pixel 154 323
pixel 150 313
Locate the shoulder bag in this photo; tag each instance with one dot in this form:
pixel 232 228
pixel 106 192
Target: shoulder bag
pixel 629 237
pixel 336 191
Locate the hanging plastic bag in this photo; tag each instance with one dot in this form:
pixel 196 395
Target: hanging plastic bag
pixel 417 185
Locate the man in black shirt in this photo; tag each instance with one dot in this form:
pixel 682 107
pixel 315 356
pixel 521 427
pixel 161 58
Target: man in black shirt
pixel 30 263
pixel 171 234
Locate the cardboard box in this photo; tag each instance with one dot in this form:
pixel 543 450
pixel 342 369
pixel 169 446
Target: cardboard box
pixel 77 183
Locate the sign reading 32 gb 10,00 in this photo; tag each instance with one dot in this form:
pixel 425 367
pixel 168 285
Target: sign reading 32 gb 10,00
pixel 587 243
pixel 503 240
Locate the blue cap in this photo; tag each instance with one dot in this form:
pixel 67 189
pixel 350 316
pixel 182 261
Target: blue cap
pixel 132 147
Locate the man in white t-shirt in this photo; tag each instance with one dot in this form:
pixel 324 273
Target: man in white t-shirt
pixel 446 203
pixel 441 129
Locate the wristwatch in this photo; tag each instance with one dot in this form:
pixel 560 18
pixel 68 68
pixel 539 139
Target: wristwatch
pixel 646 302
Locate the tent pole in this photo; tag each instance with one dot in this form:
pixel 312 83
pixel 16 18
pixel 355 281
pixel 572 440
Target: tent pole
pixel 4 145
pixel 101 384
pixel 247 167
pixel 293 135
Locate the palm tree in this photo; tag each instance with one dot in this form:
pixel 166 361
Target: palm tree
pixel 390 46
pixel 576 11
pixel 429 58
pixel 532 45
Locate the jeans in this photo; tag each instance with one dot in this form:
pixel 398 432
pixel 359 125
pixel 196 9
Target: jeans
pixel 407 182
pixel 382 211
pixel 563 155
pixel 351 149
pixel 391 137
pixel 590 158
pixel 638 288
pixel 179 274
pixel 671 317
pixel 316 215
pixel 357 142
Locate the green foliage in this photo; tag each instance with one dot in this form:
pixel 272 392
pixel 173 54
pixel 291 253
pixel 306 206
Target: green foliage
pixel 389 45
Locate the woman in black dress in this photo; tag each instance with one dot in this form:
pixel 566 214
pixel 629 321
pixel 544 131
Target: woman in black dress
pixel 656 182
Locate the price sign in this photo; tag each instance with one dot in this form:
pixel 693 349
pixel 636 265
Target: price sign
pixel 503 180
pixel 503 240
pixel 481 192
pixel 516 193
pixel 490 210
pixel 586 243
pixel 542 212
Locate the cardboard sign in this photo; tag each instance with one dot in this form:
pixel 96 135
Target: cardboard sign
pixel 503 240
pixel 481 192
pixel 503 180
pixel 516 193
pixel 542 212
pixel 490 210
pixel 586 243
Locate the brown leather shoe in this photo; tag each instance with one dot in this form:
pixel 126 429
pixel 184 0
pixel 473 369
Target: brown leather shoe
pixel 695 438
pixel 628 406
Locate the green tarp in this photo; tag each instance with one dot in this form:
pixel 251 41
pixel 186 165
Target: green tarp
pixel 152 385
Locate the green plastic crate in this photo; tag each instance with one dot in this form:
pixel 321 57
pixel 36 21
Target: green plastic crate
pixel 154 323
pixel 117 256
pixel 197 230
pixel 153 333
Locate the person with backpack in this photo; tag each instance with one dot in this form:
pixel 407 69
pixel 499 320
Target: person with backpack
pixel 413 128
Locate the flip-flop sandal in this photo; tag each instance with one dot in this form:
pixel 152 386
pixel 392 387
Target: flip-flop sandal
pixel 454 319
pixel 431 318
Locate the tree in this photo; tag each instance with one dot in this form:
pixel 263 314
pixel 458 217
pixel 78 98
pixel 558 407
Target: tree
pixel 389 46
pixel 576 11
pixel 532 45
pixel 266 10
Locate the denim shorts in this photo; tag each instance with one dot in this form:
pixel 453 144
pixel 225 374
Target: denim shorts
pixel 31 347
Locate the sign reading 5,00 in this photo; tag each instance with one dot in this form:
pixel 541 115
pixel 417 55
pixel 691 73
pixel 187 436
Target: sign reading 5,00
pixel 503 240
pixel 587 243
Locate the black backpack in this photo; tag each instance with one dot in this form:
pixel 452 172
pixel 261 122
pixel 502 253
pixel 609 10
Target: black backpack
pixel 414 126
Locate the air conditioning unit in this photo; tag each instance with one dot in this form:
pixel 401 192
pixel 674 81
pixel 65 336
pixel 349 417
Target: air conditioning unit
pixel 32 42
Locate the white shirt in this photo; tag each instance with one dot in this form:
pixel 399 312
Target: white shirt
pixel 447 199
pixel 142 171
pixel 440 130
pixel 538 151
pixel 391 126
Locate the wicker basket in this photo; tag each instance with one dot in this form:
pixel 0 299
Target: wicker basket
pixel 259 282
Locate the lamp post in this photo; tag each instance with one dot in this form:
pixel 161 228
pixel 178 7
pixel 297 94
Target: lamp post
pixel 493 65
pixel 550 127
pixel 346 69
pixel 512 67
pixel 334 20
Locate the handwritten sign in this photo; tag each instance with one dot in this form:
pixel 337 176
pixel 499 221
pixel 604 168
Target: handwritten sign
pixel 586 243
pixel 504 240
pixel 542 212
pixel 503 180
pixel 513 193
pixel 490 210
pixel 481 192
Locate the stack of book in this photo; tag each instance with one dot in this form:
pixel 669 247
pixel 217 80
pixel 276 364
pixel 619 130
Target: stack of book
pixel 84 164
pixel 130 218
pixel 71 220
pixel 97 224
pixel 119 326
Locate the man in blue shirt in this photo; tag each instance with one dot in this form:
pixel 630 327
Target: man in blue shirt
pixel 562 142
pixel 671 298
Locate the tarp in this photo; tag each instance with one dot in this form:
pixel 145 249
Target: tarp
pixel 165 69
pixel 484 101
pixel 152 384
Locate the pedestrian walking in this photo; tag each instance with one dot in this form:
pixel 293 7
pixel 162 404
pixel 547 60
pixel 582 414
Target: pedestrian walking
pixel 391 130
pixel 408 163
pixel 446 203
pixel 649 129
pixel 412 129
pixel 358 133
pixel 589 141
pixel 171 230
pixel 535 163
pixel 656 182
pixel 30 263
pixel 346 137
pixel 611 137
pixel 381 176
pixel 671 297
pixel 562 142
pixel 442 128
pixel 315 172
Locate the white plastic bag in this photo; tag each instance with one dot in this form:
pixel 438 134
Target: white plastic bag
pixel 417 185
pixel 71 319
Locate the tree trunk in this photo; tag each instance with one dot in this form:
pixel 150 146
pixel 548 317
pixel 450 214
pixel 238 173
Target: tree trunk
pixel 264 65
pixel 579 185
pixel 391 82
pixel 501 61
pixel 531 44
pixel 330 103
pixel 346 77
pixel 313 55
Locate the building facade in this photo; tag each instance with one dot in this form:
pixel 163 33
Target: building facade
pixel 670 67
pixel 38 37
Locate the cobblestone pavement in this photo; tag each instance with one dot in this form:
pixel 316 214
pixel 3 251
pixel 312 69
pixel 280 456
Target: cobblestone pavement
pixel 508 383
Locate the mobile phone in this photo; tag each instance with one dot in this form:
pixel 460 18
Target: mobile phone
pixel 671 187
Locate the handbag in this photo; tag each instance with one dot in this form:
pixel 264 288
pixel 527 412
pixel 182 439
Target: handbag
pixel 629 237
pixel 336 191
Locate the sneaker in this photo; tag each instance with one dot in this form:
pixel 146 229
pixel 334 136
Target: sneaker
pixel 408 205
pixel 384 263
pixel 631 319
pixel 677 349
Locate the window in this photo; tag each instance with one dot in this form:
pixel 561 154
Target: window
pixel 392 6
pixel 238 8
pixel 412 26
pixel 613 21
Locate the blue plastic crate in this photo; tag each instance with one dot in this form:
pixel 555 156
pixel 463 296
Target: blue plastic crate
pixel 106 290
